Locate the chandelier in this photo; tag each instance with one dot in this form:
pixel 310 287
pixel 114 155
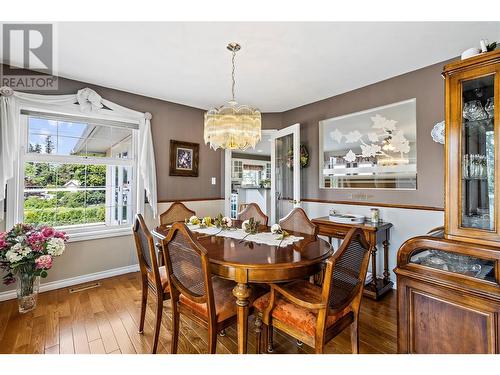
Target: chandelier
pixel 232 126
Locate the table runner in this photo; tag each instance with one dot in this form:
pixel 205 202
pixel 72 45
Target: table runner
pixel 265 238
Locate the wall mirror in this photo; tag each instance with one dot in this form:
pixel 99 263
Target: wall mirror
pixel 372 149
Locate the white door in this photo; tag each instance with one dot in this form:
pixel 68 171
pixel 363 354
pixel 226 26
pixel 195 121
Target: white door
pixel 285 172
pixel 231 203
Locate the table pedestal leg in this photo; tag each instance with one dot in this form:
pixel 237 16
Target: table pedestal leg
pixel 242 293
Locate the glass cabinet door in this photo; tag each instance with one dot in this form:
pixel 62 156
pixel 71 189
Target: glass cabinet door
pixel 478 154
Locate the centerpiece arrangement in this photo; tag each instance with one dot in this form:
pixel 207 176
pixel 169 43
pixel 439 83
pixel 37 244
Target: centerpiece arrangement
pixel 223 222
pixel 26 254
pixel 206 222
pixel 282 234
pixel 248 227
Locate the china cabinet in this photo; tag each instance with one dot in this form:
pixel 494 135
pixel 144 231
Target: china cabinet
pixel 448 297
pixel 449 281
pixel 472 89
pixel 237 170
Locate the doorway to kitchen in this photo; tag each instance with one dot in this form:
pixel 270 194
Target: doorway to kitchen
pixel 248 177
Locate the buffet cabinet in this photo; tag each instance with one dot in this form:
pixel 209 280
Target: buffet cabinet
pixel 448 297
pixel 472 152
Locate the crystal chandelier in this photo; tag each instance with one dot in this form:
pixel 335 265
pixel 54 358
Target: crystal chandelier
pixel 232 126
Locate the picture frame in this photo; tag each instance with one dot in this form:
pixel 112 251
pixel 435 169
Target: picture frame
pixel 184 158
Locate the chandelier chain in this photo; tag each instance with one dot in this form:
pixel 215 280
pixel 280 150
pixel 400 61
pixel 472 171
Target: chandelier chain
pixel 232 74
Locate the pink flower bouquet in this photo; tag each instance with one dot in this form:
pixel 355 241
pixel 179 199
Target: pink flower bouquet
pixel 29 249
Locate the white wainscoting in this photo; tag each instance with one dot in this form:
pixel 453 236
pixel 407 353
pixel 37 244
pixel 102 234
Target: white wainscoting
pixel 407 223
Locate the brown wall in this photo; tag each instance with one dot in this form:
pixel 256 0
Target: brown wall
pixel 170 121
pixel 271 121
pixel 175 121
pixel 427 86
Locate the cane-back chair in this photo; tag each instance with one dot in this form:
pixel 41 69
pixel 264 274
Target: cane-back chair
pixel 205 299
pixel 175 213
pixel 297 221
pixel 153 277
pixel 252 210
pixel 315 315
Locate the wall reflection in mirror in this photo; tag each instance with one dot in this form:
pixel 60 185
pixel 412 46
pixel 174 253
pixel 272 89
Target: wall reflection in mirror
pixel 372 149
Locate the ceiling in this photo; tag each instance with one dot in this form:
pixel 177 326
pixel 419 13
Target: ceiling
pixel 281 65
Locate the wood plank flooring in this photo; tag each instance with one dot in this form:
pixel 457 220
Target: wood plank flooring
pixel 105 320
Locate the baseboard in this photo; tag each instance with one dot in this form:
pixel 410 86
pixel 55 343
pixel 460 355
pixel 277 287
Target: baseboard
pixel 11 294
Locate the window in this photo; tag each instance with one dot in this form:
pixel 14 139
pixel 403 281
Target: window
pixel 252 174
pixel 78 175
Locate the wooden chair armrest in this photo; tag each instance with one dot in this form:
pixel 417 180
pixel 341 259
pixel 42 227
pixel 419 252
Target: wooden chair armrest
pixel 295 299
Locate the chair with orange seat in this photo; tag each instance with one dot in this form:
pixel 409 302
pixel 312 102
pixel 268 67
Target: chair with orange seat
pixel 315 315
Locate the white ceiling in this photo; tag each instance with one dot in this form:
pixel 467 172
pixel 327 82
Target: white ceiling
pixel 281 65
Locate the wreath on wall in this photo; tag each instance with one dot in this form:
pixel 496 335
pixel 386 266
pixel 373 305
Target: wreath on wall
pixel 304 157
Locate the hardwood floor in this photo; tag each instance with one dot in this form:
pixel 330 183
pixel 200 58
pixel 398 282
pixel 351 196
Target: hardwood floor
pixel 105 320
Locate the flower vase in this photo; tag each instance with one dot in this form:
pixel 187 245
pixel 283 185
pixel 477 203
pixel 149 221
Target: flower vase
pixel 27 291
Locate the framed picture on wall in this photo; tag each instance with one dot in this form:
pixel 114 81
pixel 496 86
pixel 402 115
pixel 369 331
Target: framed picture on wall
pixel 184 157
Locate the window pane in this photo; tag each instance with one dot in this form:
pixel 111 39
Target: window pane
pixel 82 139
pixel 60 194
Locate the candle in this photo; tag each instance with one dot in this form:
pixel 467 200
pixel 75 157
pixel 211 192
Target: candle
pixel 482 43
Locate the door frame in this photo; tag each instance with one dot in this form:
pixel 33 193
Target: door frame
pixel 295 131
pixel 228 155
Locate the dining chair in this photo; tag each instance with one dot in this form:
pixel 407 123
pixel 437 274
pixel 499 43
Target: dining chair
pixel 315 315
pixel 153 277
pixel 297 221
pixel 253 210
pixel 205 299
pixel 176 212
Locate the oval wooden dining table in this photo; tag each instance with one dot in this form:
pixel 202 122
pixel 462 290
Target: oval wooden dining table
pixel 247 262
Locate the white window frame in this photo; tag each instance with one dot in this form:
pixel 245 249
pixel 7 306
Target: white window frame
pixel 15 186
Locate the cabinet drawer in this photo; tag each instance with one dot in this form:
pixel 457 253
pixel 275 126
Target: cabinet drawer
pixel 332 231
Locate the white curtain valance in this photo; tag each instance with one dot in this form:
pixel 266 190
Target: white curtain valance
pixel 85 101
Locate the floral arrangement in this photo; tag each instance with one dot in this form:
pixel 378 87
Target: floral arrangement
pixel 250 226
pixel 282 234
pixel 29 249
pixel 194 220
pixel 206 222
pixel 276 229
pixel 223 222
pixel 265 183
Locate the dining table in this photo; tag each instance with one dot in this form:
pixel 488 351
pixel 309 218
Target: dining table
pixel 247 262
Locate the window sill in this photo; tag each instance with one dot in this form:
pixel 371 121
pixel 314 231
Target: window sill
pixel 98 234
